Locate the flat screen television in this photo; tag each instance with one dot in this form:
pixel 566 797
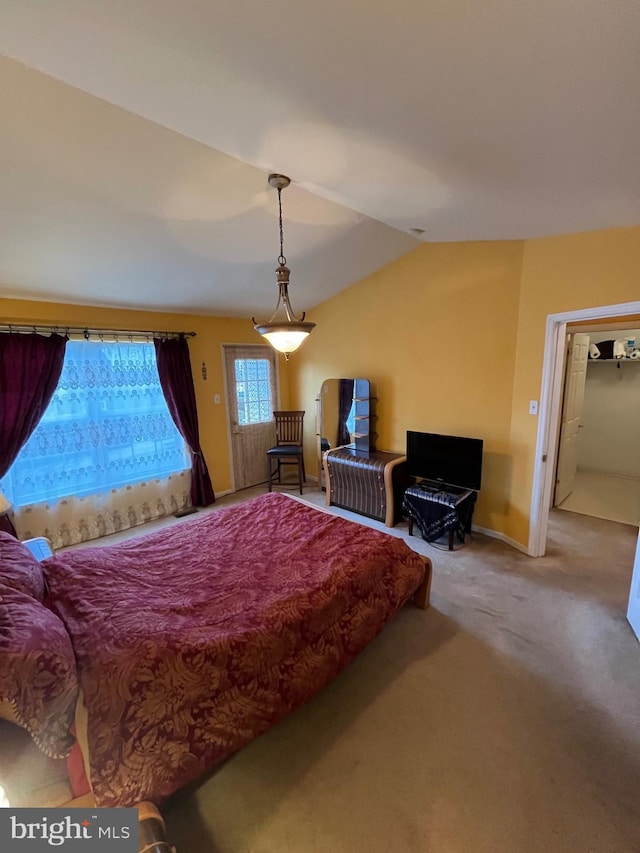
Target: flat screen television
pixel 452 460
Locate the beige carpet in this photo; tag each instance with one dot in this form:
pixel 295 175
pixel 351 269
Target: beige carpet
pixel 605 496
pixel 506 719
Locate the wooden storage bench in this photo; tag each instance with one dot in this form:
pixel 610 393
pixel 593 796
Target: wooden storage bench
pixel 369 482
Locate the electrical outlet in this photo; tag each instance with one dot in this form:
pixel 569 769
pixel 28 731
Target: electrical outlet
pixel 533 407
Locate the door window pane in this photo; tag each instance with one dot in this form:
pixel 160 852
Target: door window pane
pixel 253 391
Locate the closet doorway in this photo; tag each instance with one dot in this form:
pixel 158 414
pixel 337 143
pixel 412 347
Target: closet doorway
pixel 553 372
pixel 598 462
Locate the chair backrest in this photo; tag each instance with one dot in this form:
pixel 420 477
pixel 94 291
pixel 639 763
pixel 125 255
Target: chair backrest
pixel 289 427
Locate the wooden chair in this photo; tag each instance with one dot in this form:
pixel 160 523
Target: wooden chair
pixel 288 448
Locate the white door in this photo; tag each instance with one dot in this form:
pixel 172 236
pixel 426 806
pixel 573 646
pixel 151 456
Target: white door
pixel 633 611
pixel 575 377
pixel 251 399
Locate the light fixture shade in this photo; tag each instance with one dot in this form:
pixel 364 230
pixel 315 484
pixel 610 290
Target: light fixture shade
pixel 285 337
pixel 284 331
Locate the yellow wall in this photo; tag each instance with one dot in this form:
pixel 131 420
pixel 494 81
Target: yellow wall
pixel 452 335
pixel 559 274
pixel 435 332
pixel 212 332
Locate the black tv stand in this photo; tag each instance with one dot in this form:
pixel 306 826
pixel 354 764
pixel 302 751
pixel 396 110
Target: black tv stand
pixel 435 486
pixel 439 508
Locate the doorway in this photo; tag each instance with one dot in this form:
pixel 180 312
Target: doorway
pixel 550 408
pixel 548 431
pixel 602 477
pixel 252 395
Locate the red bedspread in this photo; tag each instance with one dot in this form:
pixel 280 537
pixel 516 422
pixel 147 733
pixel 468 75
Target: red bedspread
pixel 193 640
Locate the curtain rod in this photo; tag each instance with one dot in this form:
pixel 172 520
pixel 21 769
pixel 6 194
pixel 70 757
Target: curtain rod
pixel 88 331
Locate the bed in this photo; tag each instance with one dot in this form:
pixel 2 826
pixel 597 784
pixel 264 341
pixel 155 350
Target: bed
pixel 191 641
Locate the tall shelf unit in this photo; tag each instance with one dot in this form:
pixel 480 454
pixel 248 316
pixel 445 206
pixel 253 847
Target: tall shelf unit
pixel 364 437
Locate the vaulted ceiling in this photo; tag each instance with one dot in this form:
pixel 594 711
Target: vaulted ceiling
pixel 138 135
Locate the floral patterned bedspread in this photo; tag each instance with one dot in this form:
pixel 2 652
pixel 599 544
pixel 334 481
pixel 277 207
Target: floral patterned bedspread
pixel 193 640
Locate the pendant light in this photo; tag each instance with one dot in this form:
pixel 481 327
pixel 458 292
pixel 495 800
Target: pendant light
pixel 284 331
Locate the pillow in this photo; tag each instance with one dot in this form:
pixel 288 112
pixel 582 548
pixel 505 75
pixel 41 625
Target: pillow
pixel 38 678
pixel 19 569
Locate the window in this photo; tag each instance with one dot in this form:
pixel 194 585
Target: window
pixel 107 426
pixel 253 391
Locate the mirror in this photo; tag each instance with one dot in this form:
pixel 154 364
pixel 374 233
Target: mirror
pixel 344 416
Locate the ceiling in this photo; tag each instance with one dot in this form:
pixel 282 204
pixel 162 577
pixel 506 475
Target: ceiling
pixel 136 145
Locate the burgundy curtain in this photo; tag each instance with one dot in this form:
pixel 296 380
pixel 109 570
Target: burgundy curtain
pixel 176 380
pixel 30 368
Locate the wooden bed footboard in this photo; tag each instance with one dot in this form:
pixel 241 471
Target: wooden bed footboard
pixel 152 829
pixel 421 596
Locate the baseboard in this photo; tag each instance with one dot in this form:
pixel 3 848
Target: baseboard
pixel 188 510
pixel 501 536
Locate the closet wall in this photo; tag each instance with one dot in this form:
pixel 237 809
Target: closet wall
pixel 608 441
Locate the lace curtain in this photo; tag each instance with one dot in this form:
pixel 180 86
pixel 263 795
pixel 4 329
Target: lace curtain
pixel 106 431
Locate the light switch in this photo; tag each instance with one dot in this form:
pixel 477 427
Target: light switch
pixel 533 407
pixel 216 399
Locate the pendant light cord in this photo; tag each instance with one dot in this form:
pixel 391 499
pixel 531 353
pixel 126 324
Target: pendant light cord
pixel 281 260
